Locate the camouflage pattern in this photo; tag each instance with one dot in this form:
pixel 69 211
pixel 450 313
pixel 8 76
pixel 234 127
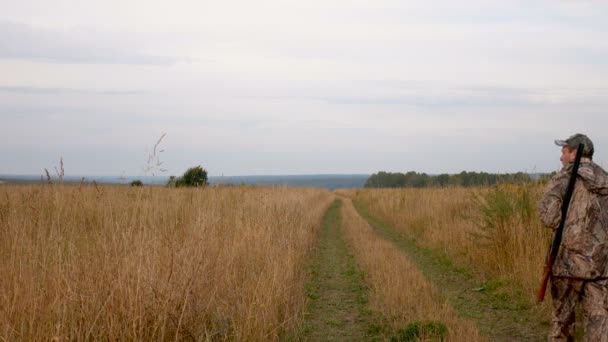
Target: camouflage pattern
pixel 593 294
pixel 583 252
pixel 580 270
pixel 576 139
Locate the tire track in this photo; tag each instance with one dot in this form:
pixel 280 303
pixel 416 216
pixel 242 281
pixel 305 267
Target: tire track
pixel 409 304
pixel 338 296
pixel 497 318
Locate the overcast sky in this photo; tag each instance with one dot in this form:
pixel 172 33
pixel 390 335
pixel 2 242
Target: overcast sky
pixel 300 87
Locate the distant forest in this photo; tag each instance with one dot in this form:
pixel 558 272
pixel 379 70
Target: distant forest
pixel 420 180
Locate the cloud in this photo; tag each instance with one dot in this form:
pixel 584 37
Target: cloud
pixel 27 90
pixel 440 95
pixel 79 46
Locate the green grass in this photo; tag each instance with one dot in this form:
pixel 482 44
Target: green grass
pixel 434 331
pixel 337 309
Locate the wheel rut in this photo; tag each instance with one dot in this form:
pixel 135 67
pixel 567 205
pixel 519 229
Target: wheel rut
pixel 498 318
pixel 338 295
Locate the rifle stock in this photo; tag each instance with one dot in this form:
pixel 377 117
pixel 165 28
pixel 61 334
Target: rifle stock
pixel 557 236
pixel 540 296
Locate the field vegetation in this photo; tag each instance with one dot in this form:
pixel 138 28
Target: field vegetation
pixel 89 262
pixel 151 263
pixel 412 307
pixel 492 232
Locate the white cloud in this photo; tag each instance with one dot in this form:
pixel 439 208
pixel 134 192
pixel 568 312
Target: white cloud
pixel 74 46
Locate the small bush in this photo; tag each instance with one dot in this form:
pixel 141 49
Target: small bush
pixel 193 177
pixel 502 208
pixel 171 183
pixel 433 330
pixel 137 182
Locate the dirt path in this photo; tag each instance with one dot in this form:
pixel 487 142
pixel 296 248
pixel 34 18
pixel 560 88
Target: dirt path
pixel 497 316
pixel 338 296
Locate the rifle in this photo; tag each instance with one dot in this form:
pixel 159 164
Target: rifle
pixel 557 235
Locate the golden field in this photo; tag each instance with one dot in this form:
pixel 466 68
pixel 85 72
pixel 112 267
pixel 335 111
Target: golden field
pixel 398 289
pixel 493 232
pixel 119 263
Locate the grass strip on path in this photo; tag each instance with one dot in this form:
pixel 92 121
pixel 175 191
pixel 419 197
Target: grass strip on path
pixel 499 317
pixel 412 308
pixel 338 296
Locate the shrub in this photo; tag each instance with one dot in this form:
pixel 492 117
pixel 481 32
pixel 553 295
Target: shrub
pixel 193 177
pixel 137 182
pixel 171 183
pixel 433 330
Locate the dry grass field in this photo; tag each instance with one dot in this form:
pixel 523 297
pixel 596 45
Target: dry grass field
pixel 493 232
pixel 232 263
pixel 118 263
pixel 398 289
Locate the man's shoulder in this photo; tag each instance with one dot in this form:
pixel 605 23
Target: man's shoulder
pixel 598 169
pixel 560 175
pixel 590 169
pixel 594 177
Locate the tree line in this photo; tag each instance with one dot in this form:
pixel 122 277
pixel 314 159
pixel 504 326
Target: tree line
pixel 414 179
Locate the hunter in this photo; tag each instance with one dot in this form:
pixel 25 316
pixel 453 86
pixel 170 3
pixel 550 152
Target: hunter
pixel 580 270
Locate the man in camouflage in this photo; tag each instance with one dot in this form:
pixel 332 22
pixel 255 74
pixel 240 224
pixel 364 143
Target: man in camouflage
pixel 580 270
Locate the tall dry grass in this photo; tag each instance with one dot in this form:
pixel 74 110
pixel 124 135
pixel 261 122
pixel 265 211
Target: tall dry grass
pixel 118 263
pixel 399 290
pixel 494 232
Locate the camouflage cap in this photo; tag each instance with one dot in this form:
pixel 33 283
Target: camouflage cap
pixel 576 139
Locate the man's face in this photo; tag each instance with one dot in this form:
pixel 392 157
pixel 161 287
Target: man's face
pixel 568 155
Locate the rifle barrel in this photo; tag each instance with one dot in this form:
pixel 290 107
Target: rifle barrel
pixel 557 237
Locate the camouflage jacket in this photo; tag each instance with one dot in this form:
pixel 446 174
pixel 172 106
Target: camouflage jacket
pixel 583 252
